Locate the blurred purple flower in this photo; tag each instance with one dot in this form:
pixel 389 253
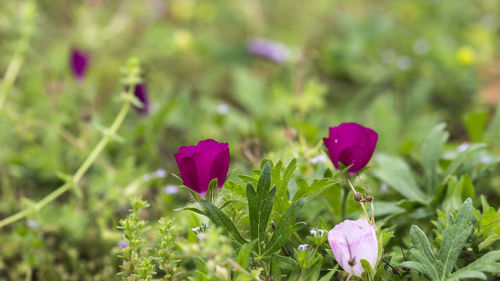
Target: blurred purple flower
pixel 171 189
pixel 268 49
pixel 141 93
pixel 32 224
pixel 123 244
pixel 79 61
pixel 303 247
pixel 351 241
pixel 199 164
pixel 351 144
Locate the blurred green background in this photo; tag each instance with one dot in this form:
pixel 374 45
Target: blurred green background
pixel 399 67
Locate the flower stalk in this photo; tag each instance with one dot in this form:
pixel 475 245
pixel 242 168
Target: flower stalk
pixel 132 79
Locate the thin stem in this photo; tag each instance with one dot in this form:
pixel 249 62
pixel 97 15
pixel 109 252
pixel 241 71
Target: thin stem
pixel 343 204
pixel 371 201
pixel 81 171
pixel 360 202
pixel 240 269
pixel 10 77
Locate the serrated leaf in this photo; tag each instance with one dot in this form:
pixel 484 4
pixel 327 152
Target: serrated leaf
pixel 455 236
pixel 490 262
pixel 284 228
pixel 260 204
pixel 220 219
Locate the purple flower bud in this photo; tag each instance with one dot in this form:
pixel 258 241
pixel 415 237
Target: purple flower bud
pixel 351 144
pixel 79 61
pixel 268 49
pixel 352 241
pixel 200 164
pixel 141 93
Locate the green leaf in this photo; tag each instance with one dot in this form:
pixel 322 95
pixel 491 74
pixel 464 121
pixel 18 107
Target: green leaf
pixel 368 273
pixel 314 189
pixel 395 172
pixel 284 228
pixel 461 157
pixel 455 236
pixel 456 193
pixel 475 122
pixel 430 152
pixel 212 192
pixel 490 262
pixel 198 211
pixel 195 195
pixel 244 255
pixel 329 275
pixel 260 204
pixel 283 186
pixel 220 219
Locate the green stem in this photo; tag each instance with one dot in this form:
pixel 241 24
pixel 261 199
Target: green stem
pixel 343 204
pixel 83 168
pixel 10 77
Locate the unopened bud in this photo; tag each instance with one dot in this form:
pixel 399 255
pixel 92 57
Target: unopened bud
pixel 351 262
pixel 357 196
pixel 368 198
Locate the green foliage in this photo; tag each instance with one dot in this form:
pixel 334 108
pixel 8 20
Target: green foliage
pixel 440 266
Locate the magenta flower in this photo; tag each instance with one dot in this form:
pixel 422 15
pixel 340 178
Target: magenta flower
pixel 141 93
pixel 268 49
pixel 79 61
pixel 351 144
pixel 202 163
pixel 351 241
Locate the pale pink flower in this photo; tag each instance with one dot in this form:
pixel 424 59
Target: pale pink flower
pixel 351 241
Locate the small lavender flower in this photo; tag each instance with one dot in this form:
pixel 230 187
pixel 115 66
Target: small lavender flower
pixel 160 173
pixel 268 49
pixel 384 187
pixel 79 61
pixel 171 189
pixel 318 232
pixel 463 147
pixel 32 224
pixel 123 244
pixel 485 159
pixel 303 247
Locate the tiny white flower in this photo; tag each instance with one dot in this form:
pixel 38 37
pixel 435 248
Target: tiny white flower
pixel 223 108
pixel 318 159
pixel 384 187
pixel 421 46
pixel 404 62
